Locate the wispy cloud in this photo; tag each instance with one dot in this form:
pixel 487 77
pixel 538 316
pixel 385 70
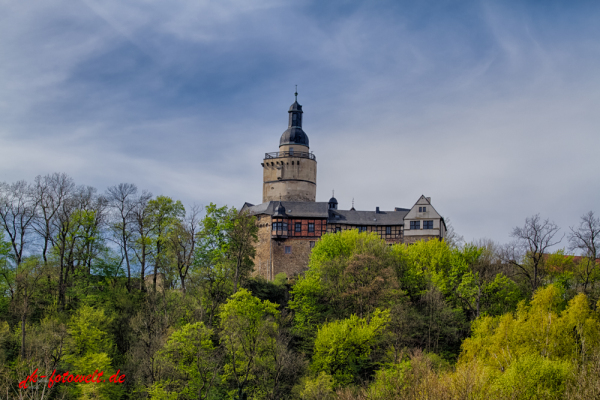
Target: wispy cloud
pixel 489 108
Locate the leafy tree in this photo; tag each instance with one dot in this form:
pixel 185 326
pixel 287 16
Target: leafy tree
pixel 545 327
pixel 163 214
pixel 181 244
pixel 87 349
pixel 192 352
pixel 349 273
pixel 249 336
pixel 224 254
pixel 342 347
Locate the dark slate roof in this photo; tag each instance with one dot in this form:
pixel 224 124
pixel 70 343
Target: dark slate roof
pixel 321 210
pixel 367 217
pixel 293 209
pixel 296 106
pixel 294 135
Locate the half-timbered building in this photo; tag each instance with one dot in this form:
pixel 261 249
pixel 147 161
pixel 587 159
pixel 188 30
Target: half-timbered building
pixel 290 221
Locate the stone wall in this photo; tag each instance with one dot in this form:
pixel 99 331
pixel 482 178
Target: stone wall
pixel 289 179
pixel 262 259
pixel 294 263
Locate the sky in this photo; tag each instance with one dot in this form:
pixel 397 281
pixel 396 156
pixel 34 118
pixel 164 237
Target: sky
pixel 489 108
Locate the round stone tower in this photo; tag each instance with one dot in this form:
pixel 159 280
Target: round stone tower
pixel 290 174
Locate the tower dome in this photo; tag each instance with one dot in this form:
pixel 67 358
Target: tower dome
pixel 333 203
pixel 294 133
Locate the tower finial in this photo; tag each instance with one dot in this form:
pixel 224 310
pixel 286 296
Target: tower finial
pixel 296 94
pixel 332 192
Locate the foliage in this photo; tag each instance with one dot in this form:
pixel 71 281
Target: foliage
pixel 248 335
pixel 193 354
pixel 343 347
pixel 367 320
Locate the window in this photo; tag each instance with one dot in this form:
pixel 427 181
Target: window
pixel 362 228
pixel 388 230
pixel 312 244
pixel 288 249
pixel 420 209
pixel 415 224
pixel 280 226
pixel 427 224
pixel 311 226
pixel 338 229
pixel 292 153
pixel 298 226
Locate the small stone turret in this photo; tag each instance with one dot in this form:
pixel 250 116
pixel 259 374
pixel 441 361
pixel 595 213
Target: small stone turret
pixel 290 174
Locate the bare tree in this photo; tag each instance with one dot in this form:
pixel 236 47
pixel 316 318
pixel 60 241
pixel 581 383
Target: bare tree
pixel 532 241
pixel 121 199
pixel 452 238
pixel 17 213
pixel 50 192
pixel 586 239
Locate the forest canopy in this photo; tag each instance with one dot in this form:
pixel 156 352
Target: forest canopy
pixel 163 295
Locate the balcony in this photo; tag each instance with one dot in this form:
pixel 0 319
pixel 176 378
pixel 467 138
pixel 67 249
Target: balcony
pixel 300 154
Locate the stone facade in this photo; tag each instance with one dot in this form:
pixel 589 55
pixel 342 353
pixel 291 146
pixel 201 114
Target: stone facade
pixel 290 220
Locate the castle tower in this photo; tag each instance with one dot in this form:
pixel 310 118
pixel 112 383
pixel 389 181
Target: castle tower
pixel 290 174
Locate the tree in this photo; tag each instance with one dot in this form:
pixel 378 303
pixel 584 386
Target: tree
pixel 24 289
pixel 249 335
pixel 191 351
pixel 586 239
pixel 452 237
pixel 243 234
pixel 17 214
pixel 342 347
pixel 181 242
pixel 78 240
pixel 532 242
pixel 163 214
pixel 349 273
pixel 50 192
pixel 142 234
pixel 224 253
pixel 121 199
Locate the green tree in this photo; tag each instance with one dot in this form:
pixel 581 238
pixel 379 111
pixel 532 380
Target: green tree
pixel 224 254
pixel 163 214
pixel 342 348
pixel 249 336
pixel 349 273
pixel 192 352
pixel 87 349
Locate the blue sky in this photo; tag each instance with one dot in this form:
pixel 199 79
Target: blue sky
pixel 490 108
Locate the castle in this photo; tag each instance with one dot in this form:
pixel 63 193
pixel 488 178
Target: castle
pixel 291 221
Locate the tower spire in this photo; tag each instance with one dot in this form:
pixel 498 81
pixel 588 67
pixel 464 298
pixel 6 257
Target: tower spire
pixel 296 94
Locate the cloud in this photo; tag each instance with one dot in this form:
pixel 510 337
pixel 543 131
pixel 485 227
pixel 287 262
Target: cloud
pixel 488 108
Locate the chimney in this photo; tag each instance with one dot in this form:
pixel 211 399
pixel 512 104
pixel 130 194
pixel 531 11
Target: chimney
pixel 428 199
pixel 377 210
